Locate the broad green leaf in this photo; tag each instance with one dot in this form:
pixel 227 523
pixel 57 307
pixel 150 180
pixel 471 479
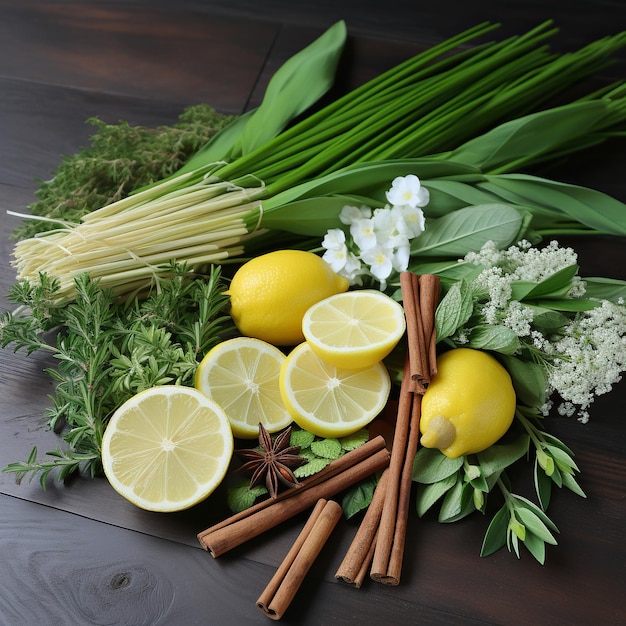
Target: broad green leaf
pixel 449 195
pixel 568 304
pixel 427 495
pixel 294 87
pixel 528 377
pixel 455 234
pixel 555 286
pixel 498 457
pixel 547 318
pixel 536 546
pixel 454 309
pixel 536 133
pixel 496 338
pixel 457 503
pixel 220 147
pixel 535 525
pixel 370 180
pixel 591 208
pixel 431 465
pixel 241 497
pixel 605 288
pixel 495 537
pixel 448 271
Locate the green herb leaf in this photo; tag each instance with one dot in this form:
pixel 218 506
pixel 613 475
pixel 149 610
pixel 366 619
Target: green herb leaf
pixel 495 459
pixel 468 229
pixel 431 465
pixel 428 494
pixel 528 377
pixel 454 309
pixel 495 537
pixel 355 440
pixel 457 503
pixel 327 448
pixel 358 497
pixel 495 338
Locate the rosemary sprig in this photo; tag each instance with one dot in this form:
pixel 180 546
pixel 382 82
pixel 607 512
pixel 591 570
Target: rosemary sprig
pixel 109 350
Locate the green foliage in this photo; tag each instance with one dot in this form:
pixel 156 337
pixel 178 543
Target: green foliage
pixel 120 158
pixel 109 350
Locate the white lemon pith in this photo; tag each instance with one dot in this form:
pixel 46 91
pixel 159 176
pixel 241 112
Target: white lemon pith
pixel 241 375
pixel 355 329
pixel 167 448
pixel 469 404
pixel 329 401
pixel 270 294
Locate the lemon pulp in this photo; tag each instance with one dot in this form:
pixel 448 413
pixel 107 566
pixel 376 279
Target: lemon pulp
pixel 167 448
pixel 241 375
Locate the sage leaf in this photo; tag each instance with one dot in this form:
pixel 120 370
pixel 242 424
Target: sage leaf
pixel 457 503
pixel 570 482
pixel 495 537
pixel 536 546
pixel 498 457
pixel 454 310
pixel 562 458
pixel 522 502
pixel 431 465
pixel 455 234
pixel 543 486
pixel 428 495
pixel 534 524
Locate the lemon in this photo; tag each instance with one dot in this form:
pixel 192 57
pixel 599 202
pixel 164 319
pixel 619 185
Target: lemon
pixel 241 375
pixel 167 448
pixel 329 401
pixel 355 329
pixel 469 404
pixel 270 294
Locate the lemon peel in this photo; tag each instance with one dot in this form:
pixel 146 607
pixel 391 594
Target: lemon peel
pixel 469 404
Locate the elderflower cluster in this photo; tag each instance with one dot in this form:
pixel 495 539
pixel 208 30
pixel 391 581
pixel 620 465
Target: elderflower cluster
pixel 379 240
pixel 585 356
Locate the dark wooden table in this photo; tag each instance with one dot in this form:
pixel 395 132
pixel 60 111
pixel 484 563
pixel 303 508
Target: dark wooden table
pixel 79 554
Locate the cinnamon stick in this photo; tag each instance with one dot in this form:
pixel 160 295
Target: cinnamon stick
pixel 420 296
pixel 356 562
pixel 332 469
pixel 283 586
pixel 238 529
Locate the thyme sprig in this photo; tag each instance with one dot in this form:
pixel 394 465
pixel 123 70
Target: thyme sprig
pixel 109 350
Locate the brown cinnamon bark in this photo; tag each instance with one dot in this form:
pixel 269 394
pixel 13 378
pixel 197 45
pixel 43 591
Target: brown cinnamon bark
pixel 283 586
pixel 354 467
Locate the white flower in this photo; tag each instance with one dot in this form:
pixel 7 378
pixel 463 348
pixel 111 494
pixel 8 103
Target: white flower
pixel 412 218
pixel 350 214
pixel 379 258
pixel 407 190
pixel 336 254
pixel 364 234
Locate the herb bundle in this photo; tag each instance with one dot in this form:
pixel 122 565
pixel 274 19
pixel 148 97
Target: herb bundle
pixel 257 177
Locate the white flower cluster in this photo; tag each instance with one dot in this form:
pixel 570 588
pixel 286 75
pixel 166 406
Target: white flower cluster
pixel 589 356
pixel 379 241
pixel 585 357
pixel 521 262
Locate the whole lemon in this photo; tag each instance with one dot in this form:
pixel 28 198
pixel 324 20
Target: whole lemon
pixel 469 404
pixel 270 294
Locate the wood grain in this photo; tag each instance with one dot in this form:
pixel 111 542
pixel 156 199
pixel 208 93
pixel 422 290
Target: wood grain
pixel 79 553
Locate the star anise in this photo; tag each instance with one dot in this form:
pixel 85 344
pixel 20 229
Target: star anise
pixel 273 462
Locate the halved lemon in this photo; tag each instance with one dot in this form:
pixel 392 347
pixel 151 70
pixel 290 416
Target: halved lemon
pixel 167 448
pixel 355 329
pixel 329 401
pixel 241 375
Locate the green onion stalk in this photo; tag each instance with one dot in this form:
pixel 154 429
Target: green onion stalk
pixel 464 118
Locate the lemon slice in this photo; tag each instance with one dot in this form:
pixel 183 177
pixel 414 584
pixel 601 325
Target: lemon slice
pixel 167 448
pixel 355 329
pixel 329 401
pixel 241 375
